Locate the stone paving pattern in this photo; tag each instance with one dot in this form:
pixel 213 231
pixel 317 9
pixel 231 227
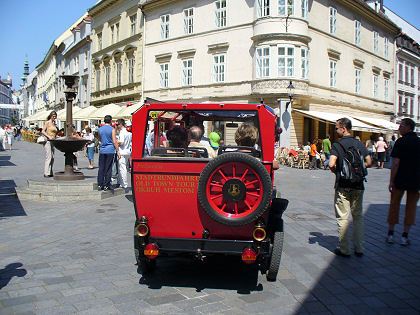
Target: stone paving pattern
pixel 77 257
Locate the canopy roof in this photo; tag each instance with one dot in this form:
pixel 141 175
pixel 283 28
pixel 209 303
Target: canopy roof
pixel 83 114
pixel 62 113
pixel 39 116
pixel 126 112
pixel 331 118
pixel 110 109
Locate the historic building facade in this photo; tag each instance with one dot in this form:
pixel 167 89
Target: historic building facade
pixel 77 57
pixel 117 46
pixel 339 56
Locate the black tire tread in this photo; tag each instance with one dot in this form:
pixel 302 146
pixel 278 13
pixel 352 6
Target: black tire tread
pixel 274 263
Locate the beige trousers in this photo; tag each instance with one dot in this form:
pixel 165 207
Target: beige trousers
pixel 49 158
pixel 348 201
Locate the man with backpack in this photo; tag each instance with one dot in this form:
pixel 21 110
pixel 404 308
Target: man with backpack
pixel 349 160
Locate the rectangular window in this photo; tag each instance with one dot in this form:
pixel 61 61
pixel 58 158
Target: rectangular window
pixel 119 73
pixel 108 76
pixel 164 75
pixel 304 58
pixel 189 21
pixel 304 9
pixel 117 32
pixel 86 59
pixel 358 79
pixel 263 8
pixel 333 73
pixel 220 13
pixel 219 68
pixel 98 79
pixel 386 48
pixel 411 106
pixel 187 72
pixel 386 88
pixel 400 104
pixel 375 42
pixel 263 62
pixel 357 33
pixel 286 61
pixel 412 76
pixel 333 21
pixel 286 7
pixel 112 34
pixel 131 62
pixel 406 74
pixel 164 26
pixel 133 22
pixel 400 71
pixel 99 41
pixel 375 86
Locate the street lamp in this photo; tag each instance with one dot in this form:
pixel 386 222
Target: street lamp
pixel 290 90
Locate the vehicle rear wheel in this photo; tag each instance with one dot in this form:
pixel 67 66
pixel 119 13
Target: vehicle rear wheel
pixel 274 262
pixel 234 189
pixel 145 265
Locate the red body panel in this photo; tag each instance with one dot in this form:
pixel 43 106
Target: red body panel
pixel 165 189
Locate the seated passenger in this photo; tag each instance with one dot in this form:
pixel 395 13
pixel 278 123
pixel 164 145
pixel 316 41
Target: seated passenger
pixel 178 137
pixel 247 135
pixel 196 135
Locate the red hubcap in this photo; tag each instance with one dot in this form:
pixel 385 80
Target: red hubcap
pixel 231 178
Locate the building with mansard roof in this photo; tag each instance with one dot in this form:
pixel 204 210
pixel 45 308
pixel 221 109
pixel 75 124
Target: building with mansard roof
pixel 339 56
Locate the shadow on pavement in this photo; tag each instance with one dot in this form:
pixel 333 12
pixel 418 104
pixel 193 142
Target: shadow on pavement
pixel 216 272
pixel 386 280
pixel 10 205
pixel 5 161
pixel 10 271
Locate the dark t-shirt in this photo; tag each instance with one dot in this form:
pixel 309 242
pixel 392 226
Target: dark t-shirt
pixel 407 149
pixel 338 151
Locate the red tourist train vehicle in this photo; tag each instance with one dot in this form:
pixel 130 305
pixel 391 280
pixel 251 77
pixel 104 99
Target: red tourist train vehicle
pixel 187 203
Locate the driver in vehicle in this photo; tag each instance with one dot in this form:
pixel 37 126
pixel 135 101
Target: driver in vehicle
pixel 196 135
pixel 247 135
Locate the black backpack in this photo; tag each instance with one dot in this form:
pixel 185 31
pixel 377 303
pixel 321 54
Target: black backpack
pixel 353 166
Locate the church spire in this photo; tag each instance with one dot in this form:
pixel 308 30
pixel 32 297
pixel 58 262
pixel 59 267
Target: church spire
pixel 25 71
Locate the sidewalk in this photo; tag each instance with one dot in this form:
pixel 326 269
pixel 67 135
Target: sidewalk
pixel 77 257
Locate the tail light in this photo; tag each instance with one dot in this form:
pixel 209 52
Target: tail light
pixel 151 251
pixel 249 256
pixel 142 229
pixel 259 233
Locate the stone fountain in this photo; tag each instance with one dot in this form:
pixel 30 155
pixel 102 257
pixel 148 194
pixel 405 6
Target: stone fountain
pixel 69 144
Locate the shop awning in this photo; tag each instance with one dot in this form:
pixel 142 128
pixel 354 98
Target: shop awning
pixel 83 114
pixel 381 123
pixel 126 112
pixel 110 109
pixel 62 113
pixel 331 118
pixel 39 116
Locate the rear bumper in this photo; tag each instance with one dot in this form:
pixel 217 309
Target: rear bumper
pixel 204 246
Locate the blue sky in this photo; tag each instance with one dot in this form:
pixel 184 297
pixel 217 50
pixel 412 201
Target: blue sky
pixel 29 27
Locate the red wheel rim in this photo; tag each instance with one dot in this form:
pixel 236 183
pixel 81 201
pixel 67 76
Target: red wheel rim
pixel 253 195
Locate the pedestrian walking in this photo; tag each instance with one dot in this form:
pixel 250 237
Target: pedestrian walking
pixel 390 147
pixel 124 142
pixel 90 146
pixel 348 193
pixel 381 147
pixel 312 156
pixel 10 136
pixel 2 138
pixel 326 148
pixel 50 132
pixel 107 150
pixel 405 177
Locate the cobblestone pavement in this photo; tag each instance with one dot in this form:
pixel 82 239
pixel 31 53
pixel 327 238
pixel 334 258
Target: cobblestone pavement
pixel 77 257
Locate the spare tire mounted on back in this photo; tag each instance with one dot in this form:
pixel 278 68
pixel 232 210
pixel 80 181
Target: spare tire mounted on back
pixel 235 189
